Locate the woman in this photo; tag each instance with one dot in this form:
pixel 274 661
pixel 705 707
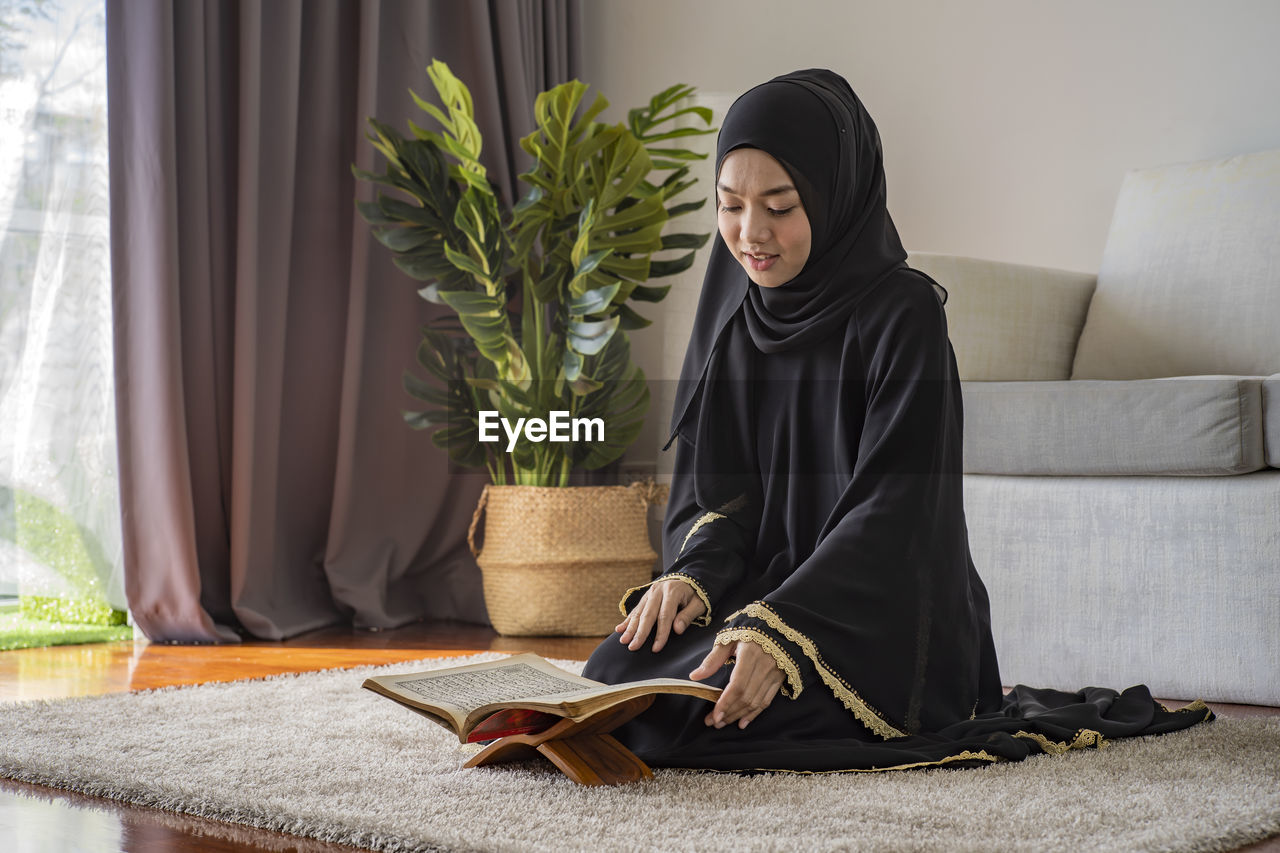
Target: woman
pixel 817 560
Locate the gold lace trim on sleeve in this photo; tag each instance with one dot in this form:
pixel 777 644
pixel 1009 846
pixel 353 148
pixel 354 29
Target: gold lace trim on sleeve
pixel 785 662
pixel 867 715
pixel 702 621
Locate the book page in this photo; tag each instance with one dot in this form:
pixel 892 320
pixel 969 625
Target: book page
pixel 474 688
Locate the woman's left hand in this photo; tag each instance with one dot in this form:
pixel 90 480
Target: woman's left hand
pixel 754 682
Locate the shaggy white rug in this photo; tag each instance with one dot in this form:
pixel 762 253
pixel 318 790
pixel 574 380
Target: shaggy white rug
pixel 315 755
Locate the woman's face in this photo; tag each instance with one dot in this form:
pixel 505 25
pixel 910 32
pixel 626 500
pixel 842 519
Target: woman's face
pixel 761 218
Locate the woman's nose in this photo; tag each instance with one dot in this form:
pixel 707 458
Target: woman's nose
pixel 756 227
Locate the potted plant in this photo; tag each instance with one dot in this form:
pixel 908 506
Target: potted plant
pixel 533 368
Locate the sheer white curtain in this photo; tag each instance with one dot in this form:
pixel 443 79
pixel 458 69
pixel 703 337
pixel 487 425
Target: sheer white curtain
pixel 59 503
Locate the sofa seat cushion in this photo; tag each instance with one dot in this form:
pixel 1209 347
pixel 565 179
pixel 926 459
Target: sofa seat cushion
pixel 1199 425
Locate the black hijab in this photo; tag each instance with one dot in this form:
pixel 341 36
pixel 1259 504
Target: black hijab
pixel 815 126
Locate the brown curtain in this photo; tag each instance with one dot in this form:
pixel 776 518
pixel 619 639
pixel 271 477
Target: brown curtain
pixel 268 482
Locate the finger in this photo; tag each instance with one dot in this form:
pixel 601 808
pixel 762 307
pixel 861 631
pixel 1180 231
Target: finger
pixel 734 705
pixel 718 716
pixel 648 613
pixel 734 701
pixel 666 615
pixel 628 626
pixel 633 619
pixel 763 701
pixel 753 675
pixel 711 663
pixel 691 610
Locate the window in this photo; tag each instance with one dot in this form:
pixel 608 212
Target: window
pixel 59 506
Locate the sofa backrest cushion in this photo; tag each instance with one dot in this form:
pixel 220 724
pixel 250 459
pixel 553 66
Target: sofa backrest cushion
pixel 1189 281
pixel 1009 321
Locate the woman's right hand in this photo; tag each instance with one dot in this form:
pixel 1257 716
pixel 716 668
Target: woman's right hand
pixel 665 606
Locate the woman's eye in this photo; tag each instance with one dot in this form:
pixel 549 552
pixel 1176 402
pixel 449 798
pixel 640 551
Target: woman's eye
pixel 783 212
pixel 726 208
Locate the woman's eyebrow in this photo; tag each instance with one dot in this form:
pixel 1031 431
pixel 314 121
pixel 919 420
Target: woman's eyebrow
pixel 778 190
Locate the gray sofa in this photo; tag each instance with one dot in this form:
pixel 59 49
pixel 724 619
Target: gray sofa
pixel 1122 442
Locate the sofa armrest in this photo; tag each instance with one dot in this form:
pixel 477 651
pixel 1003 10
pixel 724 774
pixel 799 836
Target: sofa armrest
pixel 1271 418
pixel 1010 321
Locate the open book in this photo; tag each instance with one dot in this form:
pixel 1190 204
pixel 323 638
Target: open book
pixel 521 694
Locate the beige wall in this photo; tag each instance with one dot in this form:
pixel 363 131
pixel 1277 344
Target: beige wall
pixel 1007 124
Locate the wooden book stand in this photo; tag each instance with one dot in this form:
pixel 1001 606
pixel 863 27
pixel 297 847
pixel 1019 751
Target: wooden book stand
pixel 584 751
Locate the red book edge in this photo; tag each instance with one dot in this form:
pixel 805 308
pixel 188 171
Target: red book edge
pixel 513 721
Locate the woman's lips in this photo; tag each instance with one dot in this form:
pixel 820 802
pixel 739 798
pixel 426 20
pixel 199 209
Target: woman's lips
pixel 760 263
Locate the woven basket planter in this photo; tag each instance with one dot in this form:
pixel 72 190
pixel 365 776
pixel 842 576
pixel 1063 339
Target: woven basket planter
pixel 555 562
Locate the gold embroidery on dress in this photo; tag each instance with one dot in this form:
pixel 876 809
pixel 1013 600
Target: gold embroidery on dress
pixel 966 755
pixel 703 520
pixel 702 621
pixel 785 662
pixel 867 715
pixel 1084 738
pixel 1198 705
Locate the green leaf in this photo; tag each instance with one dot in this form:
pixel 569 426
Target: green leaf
pixel 630 320
pixel 584 385
pixel 417 387
pixel 588 115
pixel 435 397
pixel 582 244
pixel 650 293
pixel 411 214
pixel 593 301
pixel 639 215
pixel 635 269
pixel 426 267
pixel 688 207
pixel 467 264
pixel 703 113
pixel 589 262
pixel 430 109
pixel 467 302
pixel 403 239
pixel 658 269
pixel 551 282
pixel 518 395
pixel 531 198
pixel 641 241
pixel 371 212
pixel 677 153
pixel 572 365
pixel 418 420
pixel 589 337
pixel 684 241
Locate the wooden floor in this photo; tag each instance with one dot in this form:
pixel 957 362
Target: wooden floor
pixel 36 818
